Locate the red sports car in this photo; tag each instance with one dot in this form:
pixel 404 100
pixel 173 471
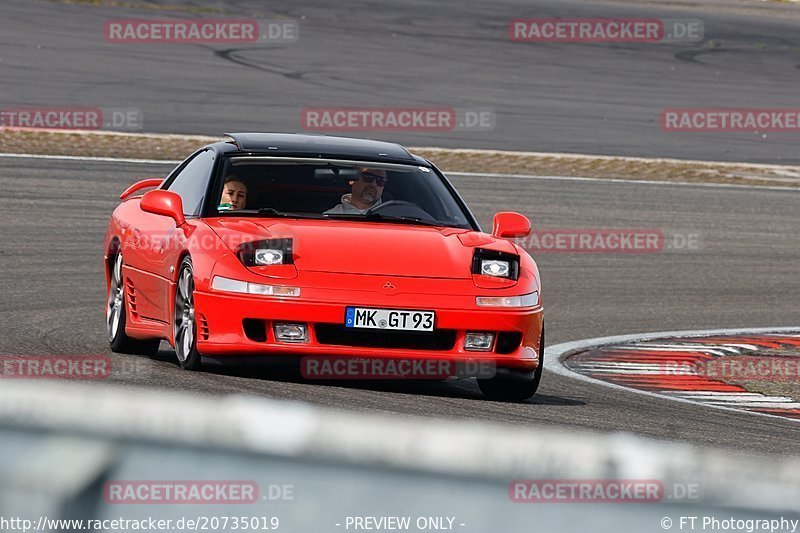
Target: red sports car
pixel 307 245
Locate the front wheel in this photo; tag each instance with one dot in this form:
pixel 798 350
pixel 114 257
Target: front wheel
pixel 116 317
pixel 184 326
pixel 514 390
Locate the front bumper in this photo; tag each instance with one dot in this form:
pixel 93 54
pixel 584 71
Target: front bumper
pixel 221 319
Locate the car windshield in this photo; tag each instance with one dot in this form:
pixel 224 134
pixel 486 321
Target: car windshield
pixel 332 189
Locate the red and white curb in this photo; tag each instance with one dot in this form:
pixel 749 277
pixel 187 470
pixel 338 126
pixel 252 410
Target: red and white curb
pixel 659 364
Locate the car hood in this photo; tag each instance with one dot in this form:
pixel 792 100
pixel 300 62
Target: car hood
pixel 343 246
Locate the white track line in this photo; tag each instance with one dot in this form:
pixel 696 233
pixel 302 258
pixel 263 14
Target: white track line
pixel 671 347
pixel 207 139
pixel 111 133
pixel 556 353
pixel 92 158
pixel 655 348
pixel 461 174
pixel 633 159
pixel 620 180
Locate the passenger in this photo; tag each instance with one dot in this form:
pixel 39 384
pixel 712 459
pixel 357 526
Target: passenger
pixel 365 192
pixel 234 194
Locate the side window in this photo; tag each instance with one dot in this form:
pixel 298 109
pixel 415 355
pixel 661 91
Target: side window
pixel 191 183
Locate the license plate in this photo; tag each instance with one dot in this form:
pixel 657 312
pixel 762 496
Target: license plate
pixel 398 319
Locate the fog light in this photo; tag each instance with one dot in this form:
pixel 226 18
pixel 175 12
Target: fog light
pixel 478 342
pixel 286 332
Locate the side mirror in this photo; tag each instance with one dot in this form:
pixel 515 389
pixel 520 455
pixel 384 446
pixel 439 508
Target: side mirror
pixel 139 185
pixel 508 225
pixel 167 203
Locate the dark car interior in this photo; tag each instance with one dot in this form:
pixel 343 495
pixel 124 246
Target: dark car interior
pixel 314 189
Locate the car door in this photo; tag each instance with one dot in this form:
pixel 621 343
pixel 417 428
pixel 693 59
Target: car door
pixel 157 243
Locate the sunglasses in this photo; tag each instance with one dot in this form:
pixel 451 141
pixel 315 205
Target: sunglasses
pixel 369 178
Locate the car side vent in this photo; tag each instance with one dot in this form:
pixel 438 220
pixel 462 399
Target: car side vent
pixel 203 323
pixel 131 292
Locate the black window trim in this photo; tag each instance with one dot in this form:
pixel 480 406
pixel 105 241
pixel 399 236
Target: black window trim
pixel 171 178
pixel 206 209
pixel 460 201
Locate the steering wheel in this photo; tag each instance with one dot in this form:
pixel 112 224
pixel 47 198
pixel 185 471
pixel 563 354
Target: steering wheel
pixel 400 208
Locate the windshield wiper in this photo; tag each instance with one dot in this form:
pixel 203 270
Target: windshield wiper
pixel 275 213
pixel 385 218
pixel 410 220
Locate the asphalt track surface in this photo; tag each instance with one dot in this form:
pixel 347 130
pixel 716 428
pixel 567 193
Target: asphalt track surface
pixel 585 98
pixel 53 215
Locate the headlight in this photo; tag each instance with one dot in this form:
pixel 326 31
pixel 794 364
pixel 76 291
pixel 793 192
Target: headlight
pixel 268 256
pixel 526 300
pixel 234 285
pixel 496 264
pixel 266 252
pixel 493 267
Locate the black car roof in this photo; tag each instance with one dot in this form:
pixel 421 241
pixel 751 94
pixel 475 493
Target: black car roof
pixel 323 146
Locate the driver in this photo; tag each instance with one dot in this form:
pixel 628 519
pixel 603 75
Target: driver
pixel 365 192
pixel 234 194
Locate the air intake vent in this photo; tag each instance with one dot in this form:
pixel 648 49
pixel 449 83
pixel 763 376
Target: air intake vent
pixel 130 291
pixel 255 329
pixel 203 323
pixel 508 342
pixel 337 334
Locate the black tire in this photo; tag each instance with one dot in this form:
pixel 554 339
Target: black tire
pixel 116 316
pixel 514 389
pixel 184 324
